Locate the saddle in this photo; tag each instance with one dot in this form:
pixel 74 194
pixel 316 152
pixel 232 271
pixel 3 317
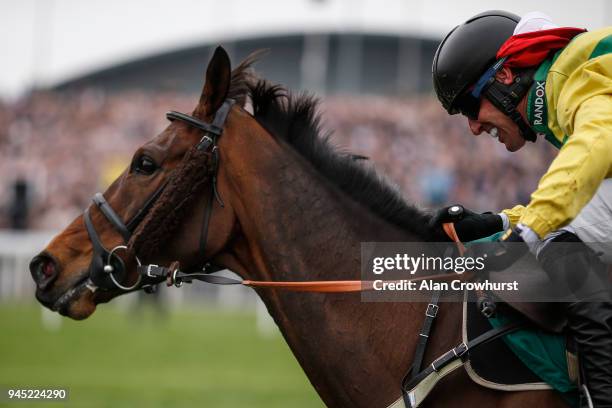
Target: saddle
pixel 531 359
pixel 547 315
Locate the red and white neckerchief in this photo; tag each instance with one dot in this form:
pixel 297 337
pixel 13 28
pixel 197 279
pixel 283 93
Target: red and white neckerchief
pixel 534 37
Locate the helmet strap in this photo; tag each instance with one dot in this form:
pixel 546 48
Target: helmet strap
pixel 507 97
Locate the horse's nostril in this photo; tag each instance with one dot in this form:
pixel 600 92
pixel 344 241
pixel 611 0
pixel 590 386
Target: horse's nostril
pixel 48 269
pixel 43 270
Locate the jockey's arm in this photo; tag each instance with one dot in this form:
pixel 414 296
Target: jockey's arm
pixel 584 112
pixel 577 171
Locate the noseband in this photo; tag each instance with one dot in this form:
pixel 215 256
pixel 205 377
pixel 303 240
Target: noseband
pixel 107 270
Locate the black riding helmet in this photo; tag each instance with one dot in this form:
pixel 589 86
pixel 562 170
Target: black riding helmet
pixel 467 52
pixel 465 63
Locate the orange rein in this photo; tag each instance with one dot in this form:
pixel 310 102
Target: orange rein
pixel 449 228
pixel 344 286
pixel 314 286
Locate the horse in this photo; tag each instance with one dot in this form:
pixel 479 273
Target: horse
pixel 281 204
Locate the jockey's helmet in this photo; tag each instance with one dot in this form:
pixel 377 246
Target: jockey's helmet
pixel 466 53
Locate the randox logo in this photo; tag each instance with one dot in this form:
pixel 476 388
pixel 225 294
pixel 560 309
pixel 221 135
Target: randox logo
pixel 538 111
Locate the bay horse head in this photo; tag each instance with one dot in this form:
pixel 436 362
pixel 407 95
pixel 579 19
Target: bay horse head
pixel 152 209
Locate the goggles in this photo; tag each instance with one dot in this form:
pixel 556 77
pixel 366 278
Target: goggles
pixel 468 103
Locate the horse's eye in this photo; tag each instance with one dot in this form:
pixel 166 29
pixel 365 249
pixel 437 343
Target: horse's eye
pixel 144 165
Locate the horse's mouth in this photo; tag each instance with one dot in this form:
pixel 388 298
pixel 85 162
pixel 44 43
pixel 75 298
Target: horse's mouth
pixel 63 304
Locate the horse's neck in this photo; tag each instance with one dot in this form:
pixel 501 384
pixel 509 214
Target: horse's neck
pixel 296 227
pixel 290 216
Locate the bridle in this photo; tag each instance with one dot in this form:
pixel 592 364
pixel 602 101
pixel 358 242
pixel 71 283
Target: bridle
pixel 107 270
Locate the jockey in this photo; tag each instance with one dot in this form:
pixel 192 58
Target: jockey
pixel 526 79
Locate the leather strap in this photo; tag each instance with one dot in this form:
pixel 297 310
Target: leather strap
pixel 206 127
pixel 415 392
pixel 207 215
pixel 98 248
pixel 215 128
pixel 430 315
pixel 142 212
pixel 111 216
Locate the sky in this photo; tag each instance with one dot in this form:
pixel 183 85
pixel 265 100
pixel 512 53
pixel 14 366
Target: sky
pixel 44 42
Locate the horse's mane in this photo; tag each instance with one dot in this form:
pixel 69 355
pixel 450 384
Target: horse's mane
pixel 296 120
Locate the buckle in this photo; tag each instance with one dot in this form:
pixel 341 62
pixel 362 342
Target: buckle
pixel 439 362
pixel 432 310
pixel 205 142
pixel 149 269
pixel 460 350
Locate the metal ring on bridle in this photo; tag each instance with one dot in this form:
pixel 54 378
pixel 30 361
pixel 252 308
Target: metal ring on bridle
pixel 110 271
pixel 177 283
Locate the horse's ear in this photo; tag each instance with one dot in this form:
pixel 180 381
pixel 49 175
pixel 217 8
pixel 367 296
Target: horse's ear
pixel 217 83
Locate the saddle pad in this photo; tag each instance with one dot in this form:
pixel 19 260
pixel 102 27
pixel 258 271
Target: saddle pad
pixel 527 356
pixel 494 365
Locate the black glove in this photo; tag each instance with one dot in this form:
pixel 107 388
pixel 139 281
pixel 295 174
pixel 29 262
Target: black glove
pixel 468 224
pixel 500 254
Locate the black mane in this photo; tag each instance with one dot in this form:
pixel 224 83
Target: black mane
pixel 295 120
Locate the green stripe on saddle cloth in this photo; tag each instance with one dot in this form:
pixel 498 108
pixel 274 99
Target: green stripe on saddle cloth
pixel 542 352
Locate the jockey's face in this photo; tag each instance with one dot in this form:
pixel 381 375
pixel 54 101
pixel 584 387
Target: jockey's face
pixel 491 120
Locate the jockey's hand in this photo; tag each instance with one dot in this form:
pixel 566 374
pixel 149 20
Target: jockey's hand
pixel 468 224
pixel 502 253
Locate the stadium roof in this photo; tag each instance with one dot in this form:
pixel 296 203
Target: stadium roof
pixel 49 41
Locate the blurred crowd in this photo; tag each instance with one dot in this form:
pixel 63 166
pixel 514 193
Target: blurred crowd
pixel 58 149
pixel 433 157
